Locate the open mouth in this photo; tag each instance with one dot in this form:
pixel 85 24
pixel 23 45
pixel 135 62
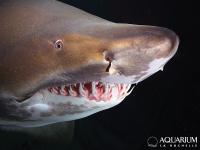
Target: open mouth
pixel 97 91
pixel 74 101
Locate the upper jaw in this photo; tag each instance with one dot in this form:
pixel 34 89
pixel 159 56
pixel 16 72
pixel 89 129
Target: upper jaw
pixel 131 63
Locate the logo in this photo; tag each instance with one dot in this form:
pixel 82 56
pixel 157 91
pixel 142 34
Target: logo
pixel 152 141
pixel 173 142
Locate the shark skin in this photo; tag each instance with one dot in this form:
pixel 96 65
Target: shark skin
pixel 59 63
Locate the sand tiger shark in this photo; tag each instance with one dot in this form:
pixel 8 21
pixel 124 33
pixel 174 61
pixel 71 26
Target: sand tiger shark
pixel 59 63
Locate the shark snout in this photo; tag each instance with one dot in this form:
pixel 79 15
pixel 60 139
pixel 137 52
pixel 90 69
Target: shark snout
pixel 158 42
pixel 142 51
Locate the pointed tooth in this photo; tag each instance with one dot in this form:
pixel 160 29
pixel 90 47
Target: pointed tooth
pixel 130 90
pixel 114 91
pixel 128 86
pixel 93 88
pixel 111 85
pixel 106 88
pixel 123 88
pixel 65 88
pixel 81 90
pixel 120 86
pixel 54 90
pixel 122 97
pixel 127 93
pixel 110 88
pixel 62 91
pixel 71 90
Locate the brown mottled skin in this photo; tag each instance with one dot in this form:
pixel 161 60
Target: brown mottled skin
pixel 29 61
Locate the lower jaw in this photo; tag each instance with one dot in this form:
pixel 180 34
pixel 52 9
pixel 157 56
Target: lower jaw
pixel 47 108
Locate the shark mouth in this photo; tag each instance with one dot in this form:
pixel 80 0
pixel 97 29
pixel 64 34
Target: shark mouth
pixel 97 91
pixel 72 102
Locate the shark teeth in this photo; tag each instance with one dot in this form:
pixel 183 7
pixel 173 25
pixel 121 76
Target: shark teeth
pixel 98 91
pixel 63 90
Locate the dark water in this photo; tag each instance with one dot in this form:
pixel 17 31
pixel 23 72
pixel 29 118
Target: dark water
pixel 166 104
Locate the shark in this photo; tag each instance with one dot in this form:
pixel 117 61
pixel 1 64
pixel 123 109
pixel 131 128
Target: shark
pixel 59 63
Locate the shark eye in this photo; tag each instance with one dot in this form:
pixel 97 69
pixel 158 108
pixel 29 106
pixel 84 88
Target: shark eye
pixel 58 44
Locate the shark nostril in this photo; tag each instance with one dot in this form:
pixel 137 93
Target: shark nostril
pixel 108 68
pixel 109 65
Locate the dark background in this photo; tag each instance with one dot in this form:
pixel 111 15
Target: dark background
pixel 166 104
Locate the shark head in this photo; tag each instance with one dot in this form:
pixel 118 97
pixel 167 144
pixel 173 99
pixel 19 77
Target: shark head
pixel 66 67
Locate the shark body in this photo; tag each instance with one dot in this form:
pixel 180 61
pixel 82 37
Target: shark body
pixel 59 63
